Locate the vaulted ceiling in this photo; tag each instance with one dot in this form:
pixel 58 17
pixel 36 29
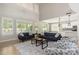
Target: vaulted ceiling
pixel 33 11
pixel 52 10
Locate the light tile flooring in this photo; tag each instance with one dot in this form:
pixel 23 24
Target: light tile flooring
pixel 7 48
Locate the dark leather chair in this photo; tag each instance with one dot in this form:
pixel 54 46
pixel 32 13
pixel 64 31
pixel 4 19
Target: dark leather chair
pixel 24 36
pixel 51 36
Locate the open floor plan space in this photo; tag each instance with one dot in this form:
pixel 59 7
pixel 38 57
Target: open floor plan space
pixel 39 29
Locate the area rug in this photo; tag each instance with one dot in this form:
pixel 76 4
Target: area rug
pixel 26 48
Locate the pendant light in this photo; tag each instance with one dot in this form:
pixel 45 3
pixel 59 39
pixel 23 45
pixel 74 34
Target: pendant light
pixel 59 22
pixel 69 14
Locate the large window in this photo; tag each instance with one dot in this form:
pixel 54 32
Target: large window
pixel 23 27
pixel 54 27
pixel 7 26
pixel 44 27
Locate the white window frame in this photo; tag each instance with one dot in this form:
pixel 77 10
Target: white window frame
pixel 21 21
pixel 2 20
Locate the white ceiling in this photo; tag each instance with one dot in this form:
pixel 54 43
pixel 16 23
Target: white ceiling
pixel 51 10
pixel 42 11
pixel 20 10
pixel 62 19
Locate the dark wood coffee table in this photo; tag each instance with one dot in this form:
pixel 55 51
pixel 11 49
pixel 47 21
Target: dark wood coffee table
pixel 40 40
pixel 43 42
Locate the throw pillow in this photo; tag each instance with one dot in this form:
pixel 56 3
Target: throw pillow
pixel 57 34
pixel 21 34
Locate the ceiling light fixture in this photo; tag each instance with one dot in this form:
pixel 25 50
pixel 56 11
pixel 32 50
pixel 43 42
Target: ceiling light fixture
pixel 59 22
pixel 69 14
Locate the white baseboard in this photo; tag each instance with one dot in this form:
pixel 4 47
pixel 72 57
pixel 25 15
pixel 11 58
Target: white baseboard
pixel 9 40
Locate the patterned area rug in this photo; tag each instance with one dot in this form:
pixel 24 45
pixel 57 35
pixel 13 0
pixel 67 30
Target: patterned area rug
pixel 26 48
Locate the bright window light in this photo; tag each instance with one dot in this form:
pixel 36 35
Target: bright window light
pixel 7 26
pixel 23 27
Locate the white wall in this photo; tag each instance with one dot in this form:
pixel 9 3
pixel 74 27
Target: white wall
pixel 27 12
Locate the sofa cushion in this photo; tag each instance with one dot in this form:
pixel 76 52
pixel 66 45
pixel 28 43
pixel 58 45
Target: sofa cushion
pixel 26 34
pixel 49 34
